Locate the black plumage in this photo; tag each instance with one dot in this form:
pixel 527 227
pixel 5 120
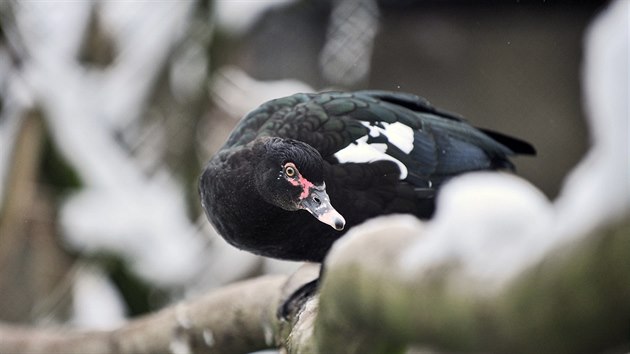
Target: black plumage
pixel 290 162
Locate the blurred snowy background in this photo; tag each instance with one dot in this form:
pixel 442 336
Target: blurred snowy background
pixel 109 110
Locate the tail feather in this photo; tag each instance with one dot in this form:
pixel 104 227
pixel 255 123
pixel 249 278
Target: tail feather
pixel 517 146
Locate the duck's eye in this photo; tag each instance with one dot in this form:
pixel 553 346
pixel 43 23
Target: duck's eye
pixel 289 170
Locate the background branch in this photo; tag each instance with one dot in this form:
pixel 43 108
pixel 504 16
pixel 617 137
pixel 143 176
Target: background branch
pixel 238 318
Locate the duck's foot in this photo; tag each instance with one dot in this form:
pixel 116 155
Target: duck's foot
pixel 297 299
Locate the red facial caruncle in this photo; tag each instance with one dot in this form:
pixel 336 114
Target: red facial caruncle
pixel 295 178
pixel 313 198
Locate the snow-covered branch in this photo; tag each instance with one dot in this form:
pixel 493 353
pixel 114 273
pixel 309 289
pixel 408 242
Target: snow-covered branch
pixel 575 299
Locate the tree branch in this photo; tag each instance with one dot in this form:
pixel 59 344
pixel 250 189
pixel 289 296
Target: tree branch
pixel 235 319
pixel 575 300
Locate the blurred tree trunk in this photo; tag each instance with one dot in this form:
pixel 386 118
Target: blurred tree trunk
pixel 33 263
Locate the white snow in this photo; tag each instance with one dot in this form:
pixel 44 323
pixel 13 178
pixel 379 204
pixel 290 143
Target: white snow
pixel 237 16
pixel 121 208
pixel 491 224
pixel 96 302
pixel 237 93
pixel 599 188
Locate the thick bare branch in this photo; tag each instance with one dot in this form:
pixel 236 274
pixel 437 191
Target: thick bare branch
pixel 235 319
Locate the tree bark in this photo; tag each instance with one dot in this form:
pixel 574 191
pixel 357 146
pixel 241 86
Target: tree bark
pixel 576 300
pixel 236 319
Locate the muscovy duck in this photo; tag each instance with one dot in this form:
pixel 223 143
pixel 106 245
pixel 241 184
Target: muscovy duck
pixel 299 171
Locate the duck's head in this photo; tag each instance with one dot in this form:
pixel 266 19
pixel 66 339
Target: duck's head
pixel 290 175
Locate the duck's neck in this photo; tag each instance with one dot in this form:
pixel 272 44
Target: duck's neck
pixel 233 202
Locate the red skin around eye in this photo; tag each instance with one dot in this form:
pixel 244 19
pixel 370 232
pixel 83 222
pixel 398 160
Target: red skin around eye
pixel 302 182
pixel 306 186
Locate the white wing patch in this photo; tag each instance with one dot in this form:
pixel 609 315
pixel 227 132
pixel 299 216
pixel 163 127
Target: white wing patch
pixel 397 134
